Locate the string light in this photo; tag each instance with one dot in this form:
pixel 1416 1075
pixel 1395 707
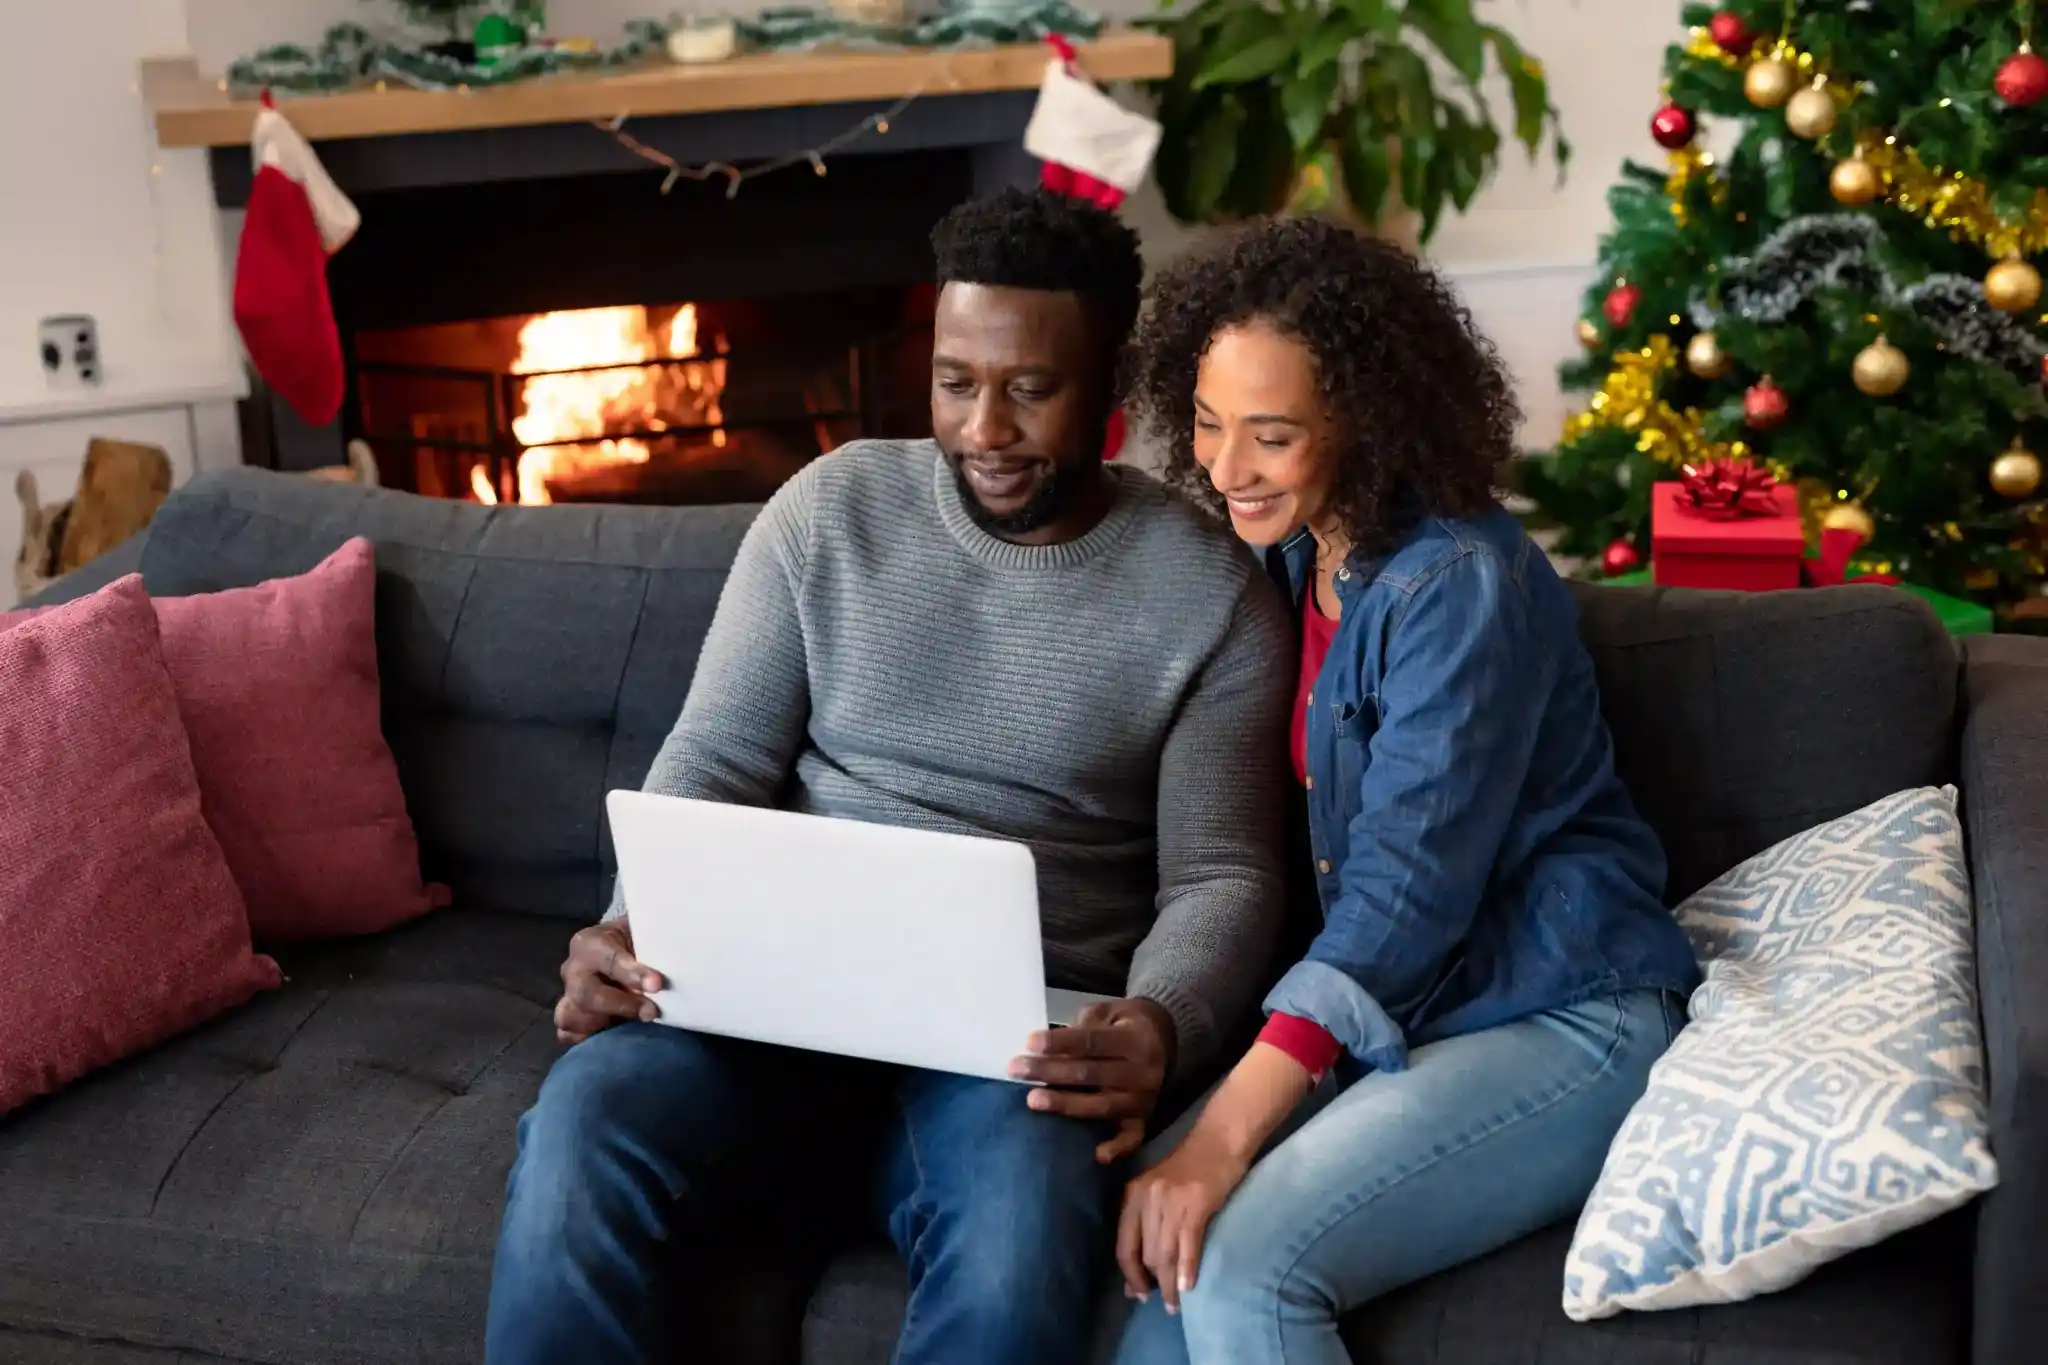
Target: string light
pixel 735 176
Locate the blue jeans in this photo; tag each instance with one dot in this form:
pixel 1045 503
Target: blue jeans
pixel 1483 1140
pixel 645 1134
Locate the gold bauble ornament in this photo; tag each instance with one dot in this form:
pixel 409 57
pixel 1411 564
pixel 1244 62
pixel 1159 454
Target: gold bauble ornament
pixel 1705 358
pixel 2016 474
pixel 1849 516
pixel 1881 369
pixel 1589 334
pixel 1770 83
pixel 1811 114
pixel 1855 181
pixel 2013 286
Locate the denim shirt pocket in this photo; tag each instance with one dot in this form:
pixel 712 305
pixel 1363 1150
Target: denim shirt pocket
pixel 1353 725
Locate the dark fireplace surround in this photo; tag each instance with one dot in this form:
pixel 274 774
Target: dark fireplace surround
pixel 812 291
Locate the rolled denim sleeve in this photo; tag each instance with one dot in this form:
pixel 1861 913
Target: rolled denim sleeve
pixel 1464 691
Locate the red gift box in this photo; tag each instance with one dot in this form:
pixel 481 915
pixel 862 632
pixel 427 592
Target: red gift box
pixel 1689 549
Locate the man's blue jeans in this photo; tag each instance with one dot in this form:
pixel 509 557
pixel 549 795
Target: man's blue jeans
pixel 1483 1139
pixel 644 1135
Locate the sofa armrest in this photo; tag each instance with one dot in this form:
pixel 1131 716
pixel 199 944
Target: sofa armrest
pixel 2005 800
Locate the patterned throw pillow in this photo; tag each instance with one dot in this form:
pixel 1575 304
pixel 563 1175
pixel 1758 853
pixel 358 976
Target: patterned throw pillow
pixel 1829 1090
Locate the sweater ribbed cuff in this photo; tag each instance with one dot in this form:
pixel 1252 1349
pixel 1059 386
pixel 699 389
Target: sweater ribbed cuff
pixel 1194 1042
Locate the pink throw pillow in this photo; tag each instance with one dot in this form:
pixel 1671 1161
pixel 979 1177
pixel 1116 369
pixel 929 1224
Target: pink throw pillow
pixel 277 684
pixel 120 923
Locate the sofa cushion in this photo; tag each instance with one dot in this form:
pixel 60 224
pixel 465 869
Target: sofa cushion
pixel 1741 719
pixel 314 1178
pixel 1829 1091
pixel 532 658
pixel 120 923
pixel 304 797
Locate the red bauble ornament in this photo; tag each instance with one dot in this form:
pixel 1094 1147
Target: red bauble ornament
pixel 2023 79
pixel 1673 126
pixel 1621 304
pixel 1619 558
pixel 1730 34
pixel 1765 405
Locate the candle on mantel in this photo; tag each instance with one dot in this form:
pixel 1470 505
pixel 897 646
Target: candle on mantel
pixel 701 40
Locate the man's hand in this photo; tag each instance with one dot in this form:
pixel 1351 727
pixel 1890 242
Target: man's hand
pixel 602 983
pixel 1167 1212
pixel 1109 1064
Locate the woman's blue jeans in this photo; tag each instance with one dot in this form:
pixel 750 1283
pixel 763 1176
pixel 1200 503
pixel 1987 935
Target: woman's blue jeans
pixel 1483 1140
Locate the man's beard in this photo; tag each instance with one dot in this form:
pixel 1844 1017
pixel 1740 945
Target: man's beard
pixel 1055 494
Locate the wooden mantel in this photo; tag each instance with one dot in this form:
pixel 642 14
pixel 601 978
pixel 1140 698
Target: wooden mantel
pixel 191 111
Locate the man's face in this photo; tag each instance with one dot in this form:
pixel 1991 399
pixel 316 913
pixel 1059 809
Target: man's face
pixel 1019 400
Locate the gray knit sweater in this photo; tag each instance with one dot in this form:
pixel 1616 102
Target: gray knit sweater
pixel 1117 703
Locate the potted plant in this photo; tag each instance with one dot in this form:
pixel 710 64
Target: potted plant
pixel 1290 103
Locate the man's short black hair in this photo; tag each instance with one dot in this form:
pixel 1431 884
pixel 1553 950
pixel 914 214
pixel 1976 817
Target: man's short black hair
pixel 1035 239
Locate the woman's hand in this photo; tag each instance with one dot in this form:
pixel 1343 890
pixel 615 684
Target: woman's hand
pixel 1166 1215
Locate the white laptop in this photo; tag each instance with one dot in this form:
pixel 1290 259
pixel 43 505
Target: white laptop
pixel 865 940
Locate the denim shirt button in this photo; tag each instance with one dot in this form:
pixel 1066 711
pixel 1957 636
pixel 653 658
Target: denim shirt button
pixel 1309 781
pixel 1323 866
pixel 1344 574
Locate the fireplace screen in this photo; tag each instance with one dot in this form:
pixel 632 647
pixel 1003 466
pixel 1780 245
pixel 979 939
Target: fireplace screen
pixel 674 403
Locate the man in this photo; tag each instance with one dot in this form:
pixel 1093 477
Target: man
pixel 991 634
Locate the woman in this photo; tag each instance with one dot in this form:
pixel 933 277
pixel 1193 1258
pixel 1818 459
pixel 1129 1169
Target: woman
pixel 1495 971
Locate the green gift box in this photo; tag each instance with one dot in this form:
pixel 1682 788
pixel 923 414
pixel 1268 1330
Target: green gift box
pixel 1958 616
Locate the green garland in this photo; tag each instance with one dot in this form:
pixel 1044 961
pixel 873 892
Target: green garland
pixel 957 24
pixel 349 57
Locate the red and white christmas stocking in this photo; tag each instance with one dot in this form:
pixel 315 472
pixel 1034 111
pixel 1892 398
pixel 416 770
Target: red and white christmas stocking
pixel 297 218
pixel 1093 148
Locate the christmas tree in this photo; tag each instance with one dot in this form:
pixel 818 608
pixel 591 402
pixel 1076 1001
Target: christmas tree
pixel 1847 294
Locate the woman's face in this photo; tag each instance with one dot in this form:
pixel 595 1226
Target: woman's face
pixel 1261 432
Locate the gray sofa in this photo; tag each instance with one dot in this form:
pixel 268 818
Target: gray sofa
pixel 315 1179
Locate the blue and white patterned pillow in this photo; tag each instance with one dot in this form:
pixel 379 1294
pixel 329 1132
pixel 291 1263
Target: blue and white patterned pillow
pixel 1829 1090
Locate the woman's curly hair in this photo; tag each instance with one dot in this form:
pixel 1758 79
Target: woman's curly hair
pixel 1422 408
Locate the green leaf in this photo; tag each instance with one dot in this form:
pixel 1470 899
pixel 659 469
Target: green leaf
pixel 1368 174
pixel 1418 149
pixel 1450 26
pixel 1373 17
pixel 1527 86
pixel 1403 74
pixel 1212 157
pixel 1327 43
pixel 1305 101
pixel 1264 169
pixel 1253 45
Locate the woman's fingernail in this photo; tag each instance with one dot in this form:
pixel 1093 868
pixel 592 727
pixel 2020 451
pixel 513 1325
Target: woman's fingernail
pixel 1186 1284
pixel 1037 1099
pixel 1173 1310
pixel 648 1013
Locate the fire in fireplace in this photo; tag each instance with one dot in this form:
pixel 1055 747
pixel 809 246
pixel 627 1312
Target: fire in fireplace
pixel 693 402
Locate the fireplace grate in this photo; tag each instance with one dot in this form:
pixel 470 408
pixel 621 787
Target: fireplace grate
pixel 451 431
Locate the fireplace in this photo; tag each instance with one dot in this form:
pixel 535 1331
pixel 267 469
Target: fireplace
pixel 681 403
pixel 526 320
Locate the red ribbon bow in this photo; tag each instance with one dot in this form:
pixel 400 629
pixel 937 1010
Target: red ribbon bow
pixel 1838 545
pixel 1724 490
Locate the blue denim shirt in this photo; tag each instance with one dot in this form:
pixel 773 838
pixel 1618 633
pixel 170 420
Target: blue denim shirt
pixel 1478 859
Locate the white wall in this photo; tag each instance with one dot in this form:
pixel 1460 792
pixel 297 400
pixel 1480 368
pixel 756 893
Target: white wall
pixel 86 225
pixel 82 217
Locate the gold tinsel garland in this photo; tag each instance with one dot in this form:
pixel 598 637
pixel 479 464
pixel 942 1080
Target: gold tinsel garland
pixel 1628 400
pixel 1943 200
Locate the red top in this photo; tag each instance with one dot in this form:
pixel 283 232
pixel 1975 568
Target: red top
pixel 1307 1042
pixel 1317 631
